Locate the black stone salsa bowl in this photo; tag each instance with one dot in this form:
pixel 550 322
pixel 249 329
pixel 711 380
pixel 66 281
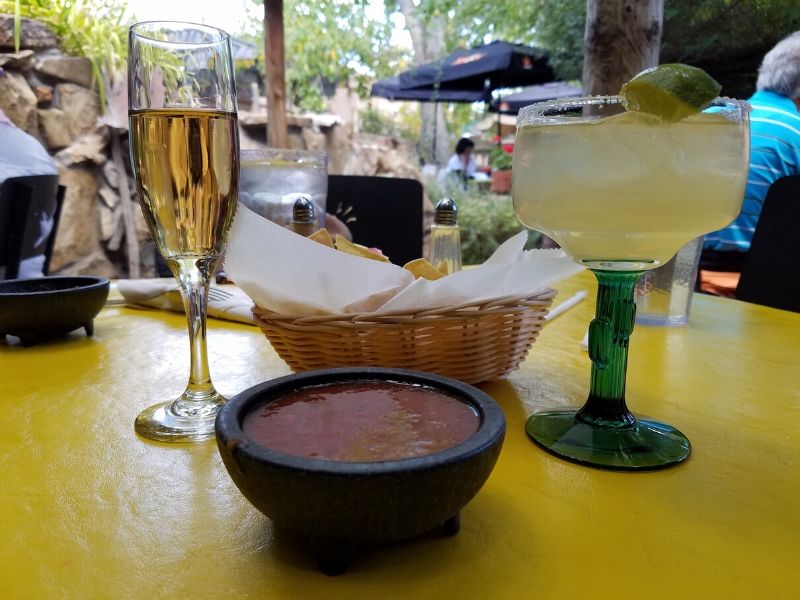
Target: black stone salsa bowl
pixel 345 505
pixel 46 307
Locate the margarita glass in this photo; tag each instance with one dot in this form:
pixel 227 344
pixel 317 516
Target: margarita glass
pixel 622 192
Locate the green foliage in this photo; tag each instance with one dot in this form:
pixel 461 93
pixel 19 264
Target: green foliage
pixel 374 121
pixel 458 116
pixel 500 159
pixel 409 119
pixel 17 22
pixel 94 29
pixel 333 41
pixel 487 220
pixel 559 29
pixel 553 26
pixel 727 38
pixel 714 30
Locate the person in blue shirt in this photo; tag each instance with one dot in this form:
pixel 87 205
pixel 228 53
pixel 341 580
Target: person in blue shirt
pixel 774 151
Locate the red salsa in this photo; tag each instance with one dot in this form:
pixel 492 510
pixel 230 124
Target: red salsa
pixel 362 421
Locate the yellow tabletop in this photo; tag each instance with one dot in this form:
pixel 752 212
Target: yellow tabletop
pixel 87 509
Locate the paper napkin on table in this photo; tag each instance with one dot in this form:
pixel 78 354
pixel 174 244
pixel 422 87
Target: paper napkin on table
pixel 291 275
pixel 229 302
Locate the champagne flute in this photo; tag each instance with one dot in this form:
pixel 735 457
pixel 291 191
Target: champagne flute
pixel 621 192
pixel 184 149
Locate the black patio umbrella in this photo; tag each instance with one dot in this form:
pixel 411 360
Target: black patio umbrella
pixel 470 75
pixel 483 69
pixel 390 88
pixel 513 103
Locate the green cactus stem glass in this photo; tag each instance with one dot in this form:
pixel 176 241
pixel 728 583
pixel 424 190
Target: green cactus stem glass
pixel 604 433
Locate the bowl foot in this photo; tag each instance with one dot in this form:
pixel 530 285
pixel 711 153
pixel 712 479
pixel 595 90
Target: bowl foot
pixel 32 338
pixel 333 559
pixel 452 526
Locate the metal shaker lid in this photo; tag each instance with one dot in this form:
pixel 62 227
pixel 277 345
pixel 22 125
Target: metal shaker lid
pixel 446 212
pixel 303 210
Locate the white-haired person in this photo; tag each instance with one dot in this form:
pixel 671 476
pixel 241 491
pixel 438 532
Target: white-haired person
pixel 774 152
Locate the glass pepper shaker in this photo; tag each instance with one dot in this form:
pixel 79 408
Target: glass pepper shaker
pixel 304 221
pixel 445 242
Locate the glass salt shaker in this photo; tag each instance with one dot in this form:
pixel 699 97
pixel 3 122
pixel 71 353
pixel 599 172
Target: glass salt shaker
pixel 445 242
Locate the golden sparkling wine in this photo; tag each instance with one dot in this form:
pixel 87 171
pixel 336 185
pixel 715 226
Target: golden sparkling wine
pixel 629 187
pixel 186 165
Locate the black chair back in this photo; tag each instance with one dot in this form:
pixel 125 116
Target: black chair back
pixel 24 203
pixel 381 212
pixel 771 271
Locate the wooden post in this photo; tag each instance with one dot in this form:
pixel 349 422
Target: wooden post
pixel 622 38
pixel 277 131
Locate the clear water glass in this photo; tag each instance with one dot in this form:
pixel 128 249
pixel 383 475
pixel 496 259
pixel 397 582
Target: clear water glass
pixel 664 295
pixel 273 179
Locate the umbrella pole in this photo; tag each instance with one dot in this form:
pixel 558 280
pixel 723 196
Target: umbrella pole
pixel 435 128
pixel 499 122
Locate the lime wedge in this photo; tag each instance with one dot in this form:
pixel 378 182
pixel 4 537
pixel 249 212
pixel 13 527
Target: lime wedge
pixel 671 92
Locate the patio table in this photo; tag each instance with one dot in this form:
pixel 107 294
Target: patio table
pixel 89 510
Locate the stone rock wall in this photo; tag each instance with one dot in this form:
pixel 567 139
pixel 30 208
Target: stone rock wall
pixel 52 97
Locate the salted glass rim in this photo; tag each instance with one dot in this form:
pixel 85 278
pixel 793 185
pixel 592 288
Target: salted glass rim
pixel 535 113
pixel 140 30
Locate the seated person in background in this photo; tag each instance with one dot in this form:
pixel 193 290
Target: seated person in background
pixel 774 153
pixel 462 163
pixel 21 155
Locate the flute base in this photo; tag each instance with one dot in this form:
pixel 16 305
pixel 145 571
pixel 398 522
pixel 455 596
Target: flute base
pixel 644 445
pixel 183 420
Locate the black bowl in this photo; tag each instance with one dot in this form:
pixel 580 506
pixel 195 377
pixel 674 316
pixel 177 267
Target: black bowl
pixel 342 505
pixel 47 307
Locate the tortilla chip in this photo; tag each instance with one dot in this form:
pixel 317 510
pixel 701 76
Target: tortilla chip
pixel 323 237
pixel 422 268
pixel 348 247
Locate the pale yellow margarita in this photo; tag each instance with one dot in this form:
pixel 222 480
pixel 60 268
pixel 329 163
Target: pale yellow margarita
pixel 628 187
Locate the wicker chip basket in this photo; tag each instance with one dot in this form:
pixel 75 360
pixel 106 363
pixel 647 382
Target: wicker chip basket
pixel 472 342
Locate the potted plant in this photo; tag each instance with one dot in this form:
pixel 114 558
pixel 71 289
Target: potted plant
pixel 500 160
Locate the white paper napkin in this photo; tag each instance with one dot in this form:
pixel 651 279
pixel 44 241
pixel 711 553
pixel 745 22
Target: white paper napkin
pixel 508 272
pixel 291 275
pixel 227 302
